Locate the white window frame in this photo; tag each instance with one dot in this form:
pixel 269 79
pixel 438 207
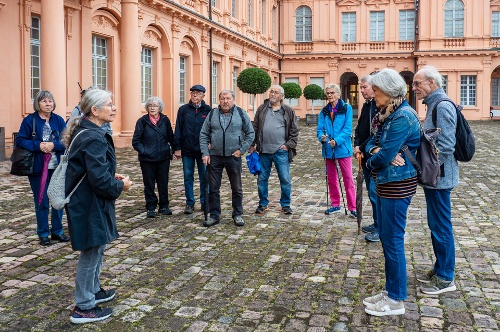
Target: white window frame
pixel 303 24
pixel 182 79
pixel 444 83
pixel 273 22
pixel 214 3
pixel 349 27
pixel 146 73
pixel 495 24
pixel 235 78
pixel 263 17
pixel 377 25
pixel 407 24
pixel 249 13
pixel 100 63
pixel 495 91
pixel 215 78
pixel 233 8
pixel 35 52
pixel 468 90
pixel 294 101
pixel 453 19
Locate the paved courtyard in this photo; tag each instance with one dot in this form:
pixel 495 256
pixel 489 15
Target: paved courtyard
pixel 300 272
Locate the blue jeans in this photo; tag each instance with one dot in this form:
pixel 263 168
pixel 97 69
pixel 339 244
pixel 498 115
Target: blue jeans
pixel 282 164
pixel 188 169
pixel 439 221
pixel 42 210
pixel 233 170
pixel 87 282
pixel 392 224
pixel 372 191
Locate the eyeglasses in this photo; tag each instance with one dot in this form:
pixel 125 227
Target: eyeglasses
pixel 417 83
pixel 331 93
pixel 197 93
pixel 153 106
pixel 110 105
pixel 274 92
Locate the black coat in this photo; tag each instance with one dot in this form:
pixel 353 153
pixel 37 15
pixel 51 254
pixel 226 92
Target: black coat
pixel 362 133
pixel 188 126
pixel 153 143
pixel 91 210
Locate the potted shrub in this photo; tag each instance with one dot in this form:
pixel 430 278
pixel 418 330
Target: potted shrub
pixel 313 92
pixel 253 81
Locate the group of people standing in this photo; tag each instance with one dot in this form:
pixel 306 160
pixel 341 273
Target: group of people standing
pixel 216 139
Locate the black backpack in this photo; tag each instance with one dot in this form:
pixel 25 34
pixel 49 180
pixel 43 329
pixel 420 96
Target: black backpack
pixel 465 145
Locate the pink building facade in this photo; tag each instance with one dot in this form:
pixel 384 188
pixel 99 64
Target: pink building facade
pixel 142 48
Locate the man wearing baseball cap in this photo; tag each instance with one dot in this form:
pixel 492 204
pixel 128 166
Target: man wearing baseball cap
pixel 190 118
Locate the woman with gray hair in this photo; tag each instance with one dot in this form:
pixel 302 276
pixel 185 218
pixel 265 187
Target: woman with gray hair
pixel 91 211
pixel 153 139
pixel 396 126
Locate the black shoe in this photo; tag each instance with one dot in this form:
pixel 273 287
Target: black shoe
pixel 238 221
pixel 151 214
pixel 261 209
pixel 188 209
pixel 210 222
pixel 286 210
pixel 45 241
pixel 60 238
pixel 165 211
pixel 104 295
pixel 95 314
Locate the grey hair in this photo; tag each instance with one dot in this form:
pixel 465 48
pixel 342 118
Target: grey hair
pixel 333 86
pixel 390 82
pixel 156 100
pixel 225 92
pixel 432 72
pixel 41 95
pixel 365 78
pixel 90 88
pixel 95 97
pixel 277 86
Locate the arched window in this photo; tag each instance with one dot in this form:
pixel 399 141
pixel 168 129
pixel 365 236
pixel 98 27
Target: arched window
pixel 303 24
pixel 454 18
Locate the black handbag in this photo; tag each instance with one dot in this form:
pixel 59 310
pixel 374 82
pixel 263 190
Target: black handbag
pixel 23 160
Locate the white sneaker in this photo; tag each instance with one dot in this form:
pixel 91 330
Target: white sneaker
pixel 385 307
pixel 374 298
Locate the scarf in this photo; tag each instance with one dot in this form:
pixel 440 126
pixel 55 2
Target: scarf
pixel 44 176
pixel 154 120
pixel 384 113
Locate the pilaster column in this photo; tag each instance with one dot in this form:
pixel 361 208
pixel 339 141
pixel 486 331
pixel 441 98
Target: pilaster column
pixel 53 52
pixel 130 59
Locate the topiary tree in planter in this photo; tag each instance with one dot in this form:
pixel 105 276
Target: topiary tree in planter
pixel 313 92
pixel 253 81
pixel 292 91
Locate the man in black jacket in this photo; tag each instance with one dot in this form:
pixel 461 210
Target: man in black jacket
pixel 190 118
pixel 362 135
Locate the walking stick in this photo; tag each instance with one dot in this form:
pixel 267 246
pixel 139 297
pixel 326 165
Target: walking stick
pixel 206 207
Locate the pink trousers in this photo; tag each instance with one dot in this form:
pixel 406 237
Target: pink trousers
pixel 345 165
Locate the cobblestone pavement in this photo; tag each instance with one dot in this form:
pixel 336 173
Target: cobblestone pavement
pixel 300 272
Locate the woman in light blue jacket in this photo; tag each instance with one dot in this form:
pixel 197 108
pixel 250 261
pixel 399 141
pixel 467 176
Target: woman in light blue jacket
pixel 334 133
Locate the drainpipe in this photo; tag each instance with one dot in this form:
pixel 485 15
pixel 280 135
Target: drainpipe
pixel 211 54
pixel 415 48
pixel 279 41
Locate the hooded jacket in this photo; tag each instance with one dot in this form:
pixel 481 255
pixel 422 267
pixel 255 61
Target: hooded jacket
pixel 340 130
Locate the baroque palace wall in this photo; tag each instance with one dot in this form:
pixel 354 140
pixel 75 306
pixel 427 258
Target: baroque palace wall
pixel 138 48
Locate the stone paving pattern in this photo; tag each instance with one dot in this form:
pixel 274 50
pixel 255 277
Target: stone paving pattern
pixel 301 272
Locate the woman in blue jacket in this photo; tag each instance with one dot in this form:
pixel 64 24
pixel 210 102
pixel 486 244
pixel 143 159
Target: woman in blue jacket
pixel 48 148
pixel 396 125
pixel 334 132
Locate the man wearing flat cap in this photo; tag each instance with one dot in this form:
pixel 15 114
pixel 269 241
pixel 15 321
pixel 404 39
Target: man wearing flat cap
pixel 190 118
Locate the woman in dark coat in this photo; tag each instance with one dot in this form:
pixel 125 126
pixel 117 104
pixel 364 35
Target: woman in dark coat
pixel 153 139
pixel 48 148
pixel 91 211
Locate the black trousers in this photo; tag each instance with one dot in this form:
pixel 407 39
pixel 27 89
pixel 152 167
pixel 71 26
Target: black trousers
pixel 155 172
pixel 233 170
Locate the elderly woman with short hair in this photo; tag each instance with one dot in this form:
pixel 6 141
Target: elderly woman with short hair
pixel 396 125
pixel 334 132
pixel 48 148
pixel 153 140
